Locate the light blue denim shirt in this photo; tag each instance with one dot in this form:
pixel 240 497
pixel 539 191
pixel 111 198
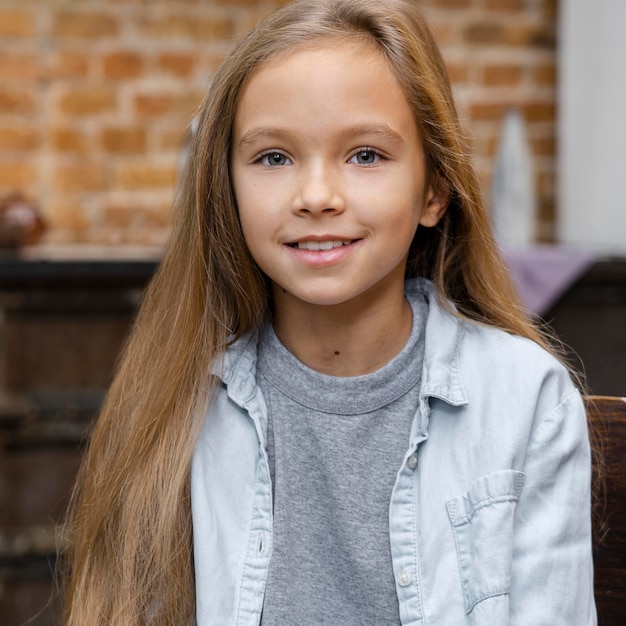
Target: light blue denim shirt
pixel 489 518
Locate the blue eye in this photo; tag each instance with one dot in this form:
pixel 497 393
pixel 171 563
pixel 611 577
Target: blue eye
pixel 274 159
pixel 365 156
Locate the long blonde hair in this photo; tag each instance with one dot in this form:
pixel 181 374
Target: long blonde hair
pixel 129 555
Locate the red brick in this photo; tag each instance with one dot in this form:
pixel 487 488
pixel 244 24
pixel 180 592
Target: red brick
pixel 445 33
pixel 179 64
pixel 516 34
pixel 120 65
pixel 16 23
pixel 543 146
pixel 187 26
pixel 484 32
pixel 17 100
pixel 173 139
pixel 539 111
pixel 549 9
pixel 215 28
pixel 68 65
pixel 17 175
pixel 18 65
pixel 122 140
pixel 488 111
pixel 79 177
pixel 546 214
pixel 19 139
pixel 545 183
pixel 157 220
pixel 121 216
pixel 210 62
pixel 83 25
pixel 136 216
pixel 64 213
pixel 68 140
pixel 457 72
pixel 503 75
pixel 545 74
pixel 505 5
pixel 88 100
pixel 164 103
pixel 145 175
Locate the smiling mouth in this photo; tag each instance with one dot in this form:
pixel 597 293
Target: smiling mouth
pixel 320 245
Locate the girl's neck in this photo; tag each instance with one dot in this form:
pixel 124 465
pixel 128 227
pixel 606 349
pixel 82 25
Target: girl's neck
pixel 349 339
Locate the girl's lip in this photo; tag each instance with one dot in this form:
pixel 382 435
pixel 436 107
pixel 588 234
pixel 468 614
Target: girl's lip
pixel 322 237
pixel 321 243
pixel 322 257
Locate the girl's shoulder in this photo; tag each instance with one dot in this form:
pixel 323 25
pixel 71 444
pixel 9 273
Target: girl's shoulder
pixel 479 342
pixel 485 357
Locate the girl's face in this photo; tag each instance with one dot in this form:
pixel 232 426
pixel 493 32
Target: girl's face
pixel 329 175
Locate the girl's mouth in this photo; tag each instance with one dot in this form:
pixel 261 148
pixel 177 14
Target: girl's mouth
pixel 320 245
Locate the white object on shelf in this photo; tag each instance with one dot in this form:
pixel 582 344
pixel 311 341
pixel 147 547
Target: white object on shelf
pixel 513 202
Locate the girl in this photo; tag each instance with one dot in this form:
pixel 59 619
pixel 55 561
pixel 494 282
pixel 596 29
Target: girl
pixel 331 409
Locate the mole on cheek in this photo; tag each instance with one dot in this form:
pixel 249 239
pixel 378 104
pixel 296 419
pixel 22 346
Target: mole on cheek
pixel 336 352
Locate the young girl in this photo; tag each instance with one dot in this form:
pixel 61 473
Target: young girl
pixel 332 409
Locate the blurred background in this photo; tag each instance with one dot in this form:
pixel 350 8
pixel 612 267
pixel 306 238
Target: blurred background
pixel 96 97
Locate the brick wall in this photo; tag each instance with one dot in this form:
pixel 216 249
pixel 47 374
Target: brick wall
pixel 95 97
pixel 502 53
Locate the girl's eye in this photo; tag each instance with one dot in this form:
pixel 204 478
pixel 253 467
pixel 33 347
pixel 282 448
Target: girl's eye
pixel 274 159
pixel 365 156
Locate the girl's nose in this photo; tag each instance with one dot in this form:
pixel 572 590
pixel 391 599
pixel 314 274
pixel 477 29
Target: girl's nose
pixel 319 192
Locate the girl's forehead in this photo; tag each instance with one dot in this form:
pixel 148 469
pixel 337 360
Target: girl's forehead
pixel 326 91
pixel 361 46
pixel 305 67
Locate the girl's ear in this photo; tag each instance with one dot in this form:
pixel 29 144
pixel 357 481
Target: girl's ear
pixel 435 205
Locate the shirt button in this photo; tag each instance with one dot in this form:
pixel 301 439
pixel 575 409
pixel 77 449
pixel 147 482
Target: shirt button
pixel 412 462
pixel 404 578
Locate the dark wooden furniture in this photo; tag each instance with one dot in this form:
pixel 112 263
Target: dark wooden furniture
pixel 63 320
pixel 608 417
pixel 590 319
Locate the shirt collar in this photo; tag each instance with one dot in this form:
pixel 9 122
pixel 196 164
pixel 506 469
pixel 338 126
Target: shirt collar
pixel 441 374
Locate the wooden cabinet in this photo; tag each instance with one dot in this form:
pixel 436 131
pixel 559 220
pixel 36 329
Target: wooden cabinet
pixel 590 319
pixel 62 326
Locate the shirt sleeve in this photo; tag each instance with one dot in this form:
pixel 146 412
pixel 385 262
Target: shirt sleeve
pixel 552 577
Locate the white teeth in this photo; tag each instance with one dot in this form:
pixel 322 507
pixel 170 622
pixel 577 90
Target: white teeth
pixel 321 245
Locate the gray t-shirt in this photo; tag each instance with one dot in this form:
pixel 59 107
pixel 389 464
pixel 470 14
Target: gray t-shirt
pixel 335 446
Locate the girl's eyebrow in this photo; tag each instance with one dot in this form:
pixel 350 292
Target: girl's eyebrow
pixel 376 129
pixel 263 133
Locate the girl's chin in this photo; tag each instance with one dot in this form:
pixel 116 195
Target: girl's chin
pixel 312 298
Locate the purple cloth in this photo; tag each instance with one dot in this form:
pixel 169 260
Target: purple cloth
pixel 543 274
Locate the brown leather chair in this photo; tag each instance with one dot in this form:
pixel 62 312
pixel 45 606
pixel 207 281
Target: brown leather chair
pixel 607 417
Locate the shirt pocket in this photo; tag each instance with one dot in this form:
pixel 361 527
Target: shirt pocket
pixel 482 520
